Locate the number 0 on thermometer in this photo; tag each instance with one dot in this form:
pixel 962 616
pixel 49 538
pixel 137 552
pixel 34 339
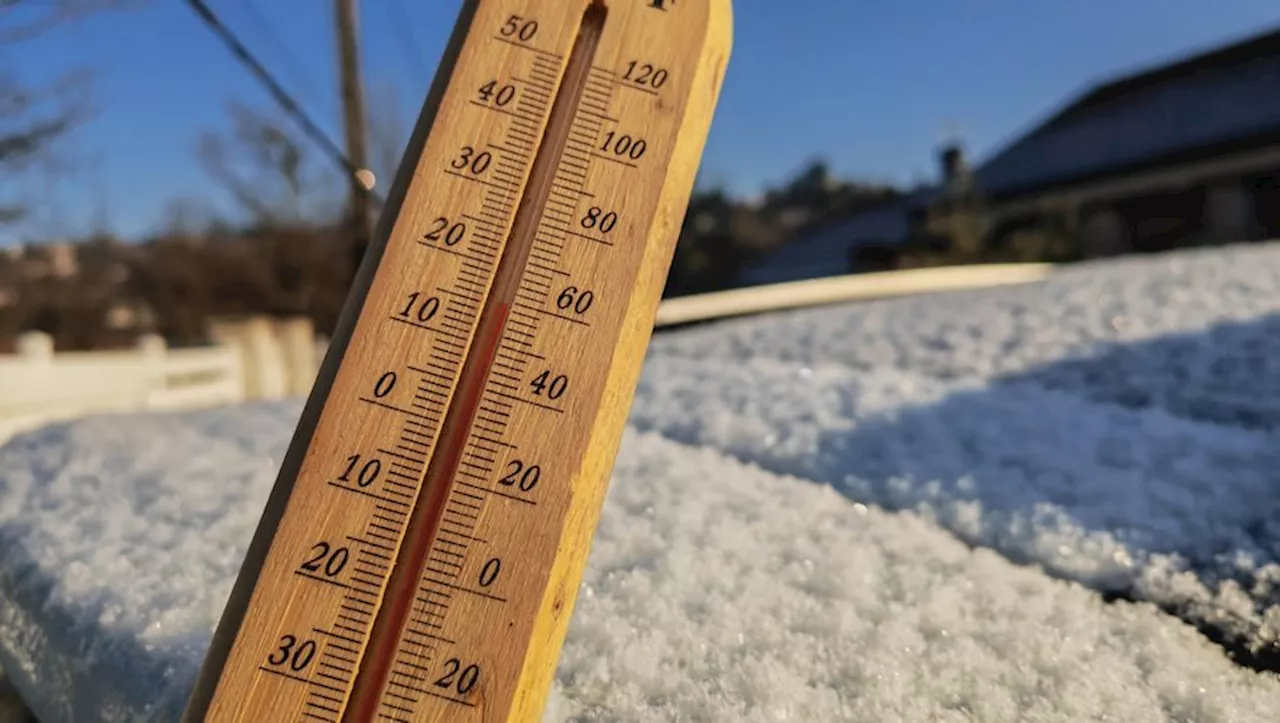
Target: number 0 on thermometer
pixel 419 556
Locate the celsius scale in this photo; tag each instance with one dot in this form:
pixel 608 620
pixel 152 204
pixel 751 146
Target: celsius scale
pixel 420 553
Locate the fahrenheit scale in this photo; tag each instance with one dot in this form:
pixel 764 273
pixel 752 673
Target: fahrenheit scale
pixel 419 556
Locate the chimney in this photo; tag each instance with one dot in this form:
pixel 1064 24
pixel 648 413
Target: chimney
pixel 953 164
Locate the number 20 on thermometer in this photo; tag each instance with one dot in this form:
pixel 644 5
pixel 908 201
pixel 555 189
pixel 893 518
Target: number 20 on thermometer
pixel 419 555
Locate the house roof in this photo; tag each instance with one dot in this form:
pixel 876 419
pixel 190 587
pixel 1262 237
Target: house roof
pixel 887 221
pixel 825 249
pixel 1230 95
pixel 1195 106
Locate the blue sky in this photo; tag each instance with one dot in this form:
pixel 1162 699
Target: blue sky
pixel 872 87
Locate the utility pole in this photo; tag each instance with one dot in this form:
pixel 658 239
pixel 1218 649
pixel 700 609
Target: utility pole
pixel 359 213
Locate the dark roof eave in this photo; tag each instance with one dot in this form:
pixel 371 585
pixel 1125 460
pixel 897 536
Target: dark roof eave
pixel 1243 50
pixel 1188 155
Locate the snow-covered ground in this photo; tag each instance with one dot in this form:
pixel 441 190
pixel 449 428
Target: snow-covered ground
pixel 901 511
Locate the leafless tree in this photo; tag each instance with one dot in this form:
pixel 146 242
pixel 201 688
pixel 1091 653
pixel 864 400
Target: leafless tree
pixel 188 217
pixel 34 120
pixel 270 172
pixel 27 19
pixel 258 163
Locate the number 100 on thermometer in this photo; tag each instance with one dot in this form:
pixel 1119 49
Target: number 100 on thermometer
pixel 419 555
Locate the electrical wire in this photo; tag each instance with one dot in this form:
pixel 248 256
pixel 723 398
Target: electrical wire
pixel 279 94
pixel 265 28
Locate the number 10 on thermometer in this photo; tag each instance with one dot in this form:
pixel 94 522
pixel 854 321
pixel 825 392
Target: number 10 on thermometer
pixel 419 555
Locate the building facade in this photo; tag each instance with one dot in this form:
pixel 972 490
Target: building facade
pixel 1184 154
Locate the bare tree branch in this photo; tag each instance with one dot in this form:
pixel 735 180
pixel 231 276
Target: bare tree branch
pixel 23 20
pixel 276 155
pixel 267 168
pixel 213 159
pixel 34 121
pixel 32 126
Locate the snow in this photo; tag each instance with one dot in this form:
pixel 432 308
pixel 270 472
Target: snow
pixel 908 510
pixel 1116 425
pixel 1174 511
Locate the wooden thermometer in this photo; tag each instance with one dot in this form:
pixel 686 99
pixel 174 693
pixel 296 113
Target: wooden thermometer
pixel 419 556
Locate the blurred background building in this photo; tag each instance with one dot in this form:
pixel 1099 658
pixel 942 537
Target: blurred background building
pixel 1185 154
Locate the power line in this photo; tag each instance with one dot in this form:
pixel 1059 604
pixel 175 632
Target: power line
pixel 268 30
pixel 278 93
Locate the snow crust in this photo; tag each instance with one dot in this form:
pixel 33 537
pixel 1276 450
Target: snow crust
pixel 898 511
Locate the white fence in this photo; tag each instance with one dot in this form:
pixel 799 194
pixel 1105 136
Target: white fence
pixel 253 359
pixel 257 358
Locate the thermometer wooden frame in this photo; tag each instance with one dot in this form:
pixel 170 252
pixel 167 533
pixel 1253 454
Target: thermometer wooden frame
pixel 419 556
